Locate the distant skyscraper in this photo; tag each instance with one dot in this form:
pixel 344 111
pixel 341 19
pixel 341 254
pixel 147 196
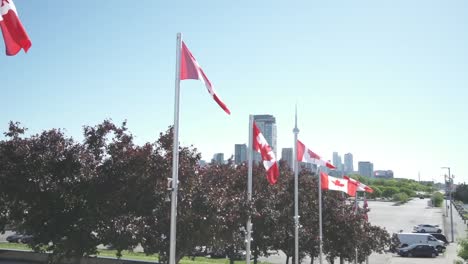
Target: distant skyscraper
pixel 348 163
pixel 267 125
pixel 337 162
pixel 287 155
pixel 240 153
pixel 218 158
pixel 366 168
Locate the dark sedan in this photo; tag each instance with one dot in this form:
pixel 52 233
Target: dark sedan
pixel 19 238
pixel 418 250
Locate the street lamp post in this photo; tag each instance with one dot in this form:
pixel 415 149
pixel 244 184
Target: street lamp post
pixel 450 182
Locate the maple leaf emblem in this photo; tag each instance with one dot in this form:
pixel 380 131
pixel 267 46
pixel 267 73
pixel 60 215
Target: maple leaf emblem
pixel 338 183
pixel 5 1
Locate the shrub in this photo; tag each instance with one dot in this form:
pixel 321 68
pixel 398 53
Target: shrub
pixel 463 249
pixel 400 197
pixel 437 199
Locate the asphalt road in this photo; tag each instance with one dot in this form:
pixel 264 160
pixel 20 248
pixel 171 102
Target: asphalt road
pixel 404 217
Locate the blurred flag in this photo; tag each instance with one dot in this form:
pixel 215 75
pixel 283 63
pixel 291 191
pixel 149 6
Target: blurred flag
pixel 361 187
pixel 14 34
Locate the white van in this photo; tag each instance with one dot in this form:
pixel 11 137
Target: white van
pixel 408 239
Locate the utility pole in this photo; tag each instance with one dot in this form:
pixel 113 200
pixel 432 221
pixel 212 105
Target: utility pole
pixel 450 186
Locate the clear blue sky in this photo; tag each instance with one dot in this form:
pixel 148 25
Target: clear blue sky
pixel 384 80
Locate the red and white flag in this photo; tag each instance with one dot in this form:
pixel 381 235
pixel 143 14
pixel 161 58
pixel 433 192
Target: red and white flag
pixel 268 156
pixel 337 184
pixel 189 69
pixel 360 187
pixel 306 155
pixel 14 34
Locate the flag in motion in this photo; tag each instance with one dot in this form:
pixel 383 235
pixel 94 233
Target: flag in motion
pixel 360 187
pixel 14 34
pixel 189 69
pixel 268 156
pixel 337 184
pixel 306 155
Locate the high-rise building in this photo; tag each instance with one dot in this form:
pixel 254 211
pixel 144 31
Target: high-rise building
pixel 287 155
pixel 366 168
pixel 240 153
pixel 218 158
pixel 348 163
pixel 267 125
pixel 337 162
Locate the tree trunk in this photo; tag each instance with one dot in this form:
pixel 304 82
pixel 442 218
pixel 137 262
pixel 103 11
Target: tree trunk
pixel 287 259
pixel 341 260
pixel 255 256
pixel 231 260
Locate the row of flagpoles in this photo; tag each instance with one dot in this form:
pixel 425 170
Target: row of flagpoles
pixel 188 68
pixel 16 38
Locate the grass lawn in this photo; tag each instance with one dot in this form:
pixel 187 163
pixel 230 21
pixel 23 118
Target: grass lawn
pixel 136 255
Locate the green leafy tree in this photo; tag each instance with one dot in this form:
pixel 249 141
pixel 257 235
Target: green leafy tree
pixel 389 191
pixel 461 193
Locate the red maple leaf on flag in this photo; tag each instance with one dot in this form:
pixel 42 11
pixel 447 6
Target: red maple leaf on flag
pixel 338 183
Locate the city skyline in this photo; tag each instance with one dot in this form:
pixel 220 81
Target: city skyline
pixel 382 80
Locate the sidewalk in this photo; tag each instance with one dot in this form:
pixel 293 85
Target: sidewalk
pixel 459 232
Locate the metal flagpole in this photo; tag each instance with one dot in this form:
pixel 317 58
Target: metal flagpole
pixel 249 187
pixel 296 194
pixel 355 212
pixel 320 213
pixel 365 199
pixel 175 157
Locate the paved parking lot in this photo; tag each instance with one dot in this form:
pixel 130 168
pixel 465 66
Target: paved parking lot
pixel 404 217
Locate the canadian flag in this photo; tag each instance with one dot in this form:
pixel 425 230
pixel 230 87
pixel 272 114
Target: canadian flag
pixel 14 34
pixel 360 187
pixel 336 184
pixel 306 155
pixel 268 156
pixel 189 69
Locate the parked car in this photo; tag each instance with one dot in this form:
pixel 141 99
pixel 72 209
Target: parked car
pixel 440 237
pixel 13 238
pixel 19 238
pixel 408 239
pixel 418 250
pixel 424 228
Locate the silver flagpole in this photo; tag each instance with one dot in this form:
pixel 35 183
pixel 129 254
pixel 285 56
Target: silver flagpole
pixel 175 157
pixel 296 194
pixel 365 199
pixel 320 214
pixel 249 188
pixel 355 212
